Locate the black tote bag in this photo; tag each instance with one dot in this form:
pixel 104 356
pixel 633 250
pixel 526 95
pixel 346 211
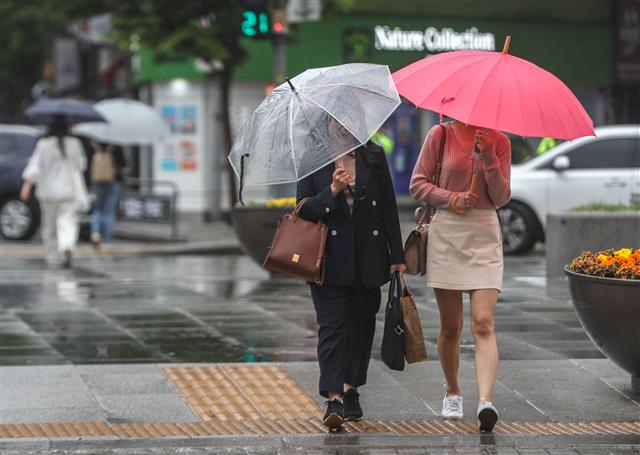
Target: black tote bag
pixel 393 337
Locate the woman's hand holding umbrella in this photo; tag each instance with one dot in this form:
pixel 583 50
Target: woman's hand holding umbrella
pixel 463 201
pixel 482 150
pixel 341 180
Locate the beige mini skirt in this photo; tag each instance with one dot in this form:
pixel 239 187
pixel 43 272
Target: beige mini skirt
pixel 465 251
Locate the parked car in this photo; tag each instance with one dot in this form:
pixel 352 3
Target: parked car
pixel 18 220
pixel 600 169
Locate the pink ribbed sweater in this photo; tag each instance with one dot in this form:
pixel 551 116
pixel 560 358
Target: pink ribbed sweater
pixel 457 169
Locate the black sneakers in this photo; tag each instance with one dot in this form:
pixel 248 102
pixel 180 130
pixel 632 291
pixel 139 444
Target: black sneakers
pixel 351 404
pixel 334 416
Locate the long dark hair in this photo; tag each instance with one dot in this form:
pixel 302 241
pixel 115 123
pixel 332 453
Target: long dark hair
pixel 59 128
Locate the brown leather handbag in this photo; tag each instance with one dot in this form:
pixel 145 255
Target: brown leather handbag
pixel 415 247
pixel 298 246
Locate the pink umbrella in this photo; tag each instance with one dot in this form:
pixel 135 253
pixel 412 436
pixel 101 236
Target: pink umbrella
pixel 495 90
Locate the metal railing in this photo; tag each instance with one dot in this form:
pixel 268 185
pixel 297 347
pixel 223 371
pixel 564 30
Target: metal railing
pixel 143 201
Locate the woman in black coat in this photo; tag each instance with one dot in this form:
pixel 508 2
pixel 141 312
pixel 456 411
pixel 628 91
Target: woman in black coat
pixel 364 247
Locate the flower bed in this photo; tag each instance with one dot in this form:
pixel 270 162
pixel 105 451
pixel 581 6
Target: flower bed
pixel 623 263
pixel 281 202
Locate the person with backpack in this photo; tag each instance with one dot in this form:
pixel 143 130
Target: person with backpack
pixel 107 162
pixel 56 168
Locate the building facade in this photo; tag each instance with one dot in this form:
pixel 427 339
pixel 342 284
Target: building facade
pixel 580 53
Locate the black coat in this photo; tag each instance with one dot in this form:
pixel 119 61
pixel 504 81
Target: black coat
pixel 371 235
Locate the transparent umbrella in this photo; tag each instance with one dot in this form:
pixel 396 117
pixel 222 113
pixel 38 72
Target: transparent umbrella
pixel 311 120
pixel 129 122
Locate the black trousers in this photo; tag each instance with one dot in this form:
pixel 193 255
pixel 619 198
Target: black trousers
pixel 347 319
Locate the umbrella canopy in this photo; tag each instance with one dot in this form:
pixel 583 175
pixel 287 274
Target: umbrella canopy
pixel 312 120
pixel 130 122
pixel 495 90
pixel 48 110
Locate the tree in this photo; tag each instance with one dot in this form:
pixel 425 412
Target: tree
pixel 26 32
pixel 209 30
pixel 203 29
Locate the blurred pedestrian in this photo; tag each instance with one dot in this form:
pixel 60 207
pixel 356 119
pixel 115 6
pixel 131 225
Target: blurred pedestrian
pixel 55 169
pixel 465 250
pixel 355 197
pixel 107 163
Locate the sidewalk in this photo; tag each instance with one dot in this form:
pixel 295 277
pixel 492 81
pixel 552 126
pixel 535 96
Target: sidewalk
pixel 100 359
pixel 162 405
pixel 195 238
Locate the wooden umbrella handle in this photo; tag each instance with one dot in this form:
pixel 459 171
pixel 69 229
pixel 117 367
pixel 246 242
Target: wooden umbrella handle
pixel 472 188
pixel 474 183
pixel 455 209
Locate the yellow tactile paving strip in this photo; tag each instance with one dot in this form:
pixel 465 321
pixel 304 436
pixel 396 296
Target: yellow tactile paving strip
pixel 300 426
pixel 241 392
pixel 56 430
pixel 249 400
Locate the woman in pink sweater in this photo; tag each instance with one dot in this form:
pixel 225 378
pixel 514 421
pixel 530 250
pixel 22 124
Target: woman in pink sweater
pixel 465 250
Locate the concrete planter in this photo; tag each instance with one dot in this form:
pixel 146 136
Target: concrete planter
pixel 609 311
pixel 570 233
pixel 255 227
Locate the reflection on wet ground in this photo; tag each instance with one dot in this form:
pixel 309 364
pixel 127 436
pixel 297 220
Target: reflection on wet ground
pixel 227 309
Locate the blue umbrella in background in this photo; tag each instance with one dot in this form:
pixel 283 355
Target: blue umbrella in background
pixel 49 110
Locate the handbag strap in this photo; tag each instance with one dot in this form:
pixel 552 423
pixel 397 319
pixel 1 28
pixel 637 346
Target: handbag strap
pixel 320 263
pixel 296 211
pixel 395 287
pixel 405 289
pixel 443 141
pixel 430 211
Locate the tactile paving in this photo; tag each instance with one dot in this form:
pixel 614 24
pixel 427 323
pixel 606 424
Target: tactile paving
pixel 56 430
pixel 262 399
pixel 147 430
pixel 218 427
pixel 242 392
pixel 21 430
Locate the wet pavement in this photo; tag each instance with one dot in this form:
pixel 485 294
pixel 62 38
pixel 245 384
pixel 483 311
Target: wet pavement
pixel 107 344
pixel 157 309
pixel 351 445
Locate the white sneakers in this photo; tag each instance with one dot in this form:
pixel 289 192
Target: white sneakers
pixel 487 416
pixel 452 407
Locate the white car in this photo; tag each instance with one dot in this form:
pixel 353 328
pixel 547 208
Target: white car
pixel 600 169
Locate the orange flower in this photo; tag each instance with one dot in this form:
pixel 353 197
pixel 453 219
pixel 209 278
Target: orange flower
pixel 623 263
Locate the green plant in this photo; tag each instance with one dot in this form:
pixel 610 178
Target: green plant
pixel 623 263
pixel 603 207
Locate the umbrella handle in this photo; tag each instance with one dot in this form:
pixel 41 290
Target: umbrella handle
pixel 472 188
pixel 453 207
pixel 474 183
